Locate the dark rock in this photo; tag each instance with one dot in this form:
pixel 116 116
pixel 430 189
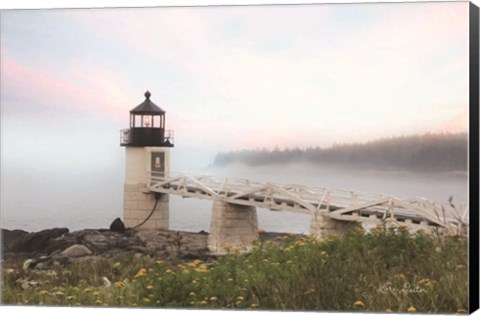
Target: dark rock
pixel 203 232
pixel 35 242
pixel 117 226
pixel 9 237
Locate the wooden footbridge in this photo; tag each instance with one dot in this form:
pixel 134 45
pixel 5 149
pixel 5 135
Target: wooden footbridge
pixel 339 205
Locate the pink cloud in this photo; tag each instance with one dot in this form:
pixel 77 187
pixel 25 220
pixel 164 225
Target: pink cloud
pixel 77 88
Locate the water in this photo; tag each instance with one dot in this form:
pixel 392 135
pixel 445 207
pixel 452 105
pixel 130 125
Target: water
pixel 38 199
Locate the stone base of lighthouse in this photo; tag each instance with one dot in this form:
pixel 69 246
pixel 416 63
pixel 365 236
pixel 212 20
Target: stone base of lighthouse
pixel 138 204
pixel 233 226
pixel 323 227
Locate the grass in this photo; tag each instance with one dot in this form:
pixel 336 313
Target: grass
pixel 376 272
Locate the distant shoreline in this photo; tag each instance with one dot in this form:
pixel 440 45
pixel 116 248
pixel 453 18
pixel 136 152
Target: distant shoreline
pixel 416 153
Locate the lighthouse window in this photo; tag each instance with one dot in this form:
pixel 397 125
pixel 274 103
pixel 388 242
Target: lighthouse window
pixel 138 121
pixel 147 121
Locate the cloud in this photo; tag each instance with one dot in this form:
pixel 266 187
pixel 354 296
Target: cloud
pixel 80 88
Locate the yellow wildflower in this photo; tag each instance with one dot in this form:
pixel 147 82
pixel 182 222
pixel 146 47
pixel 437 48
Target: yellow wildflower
pixel 253 305
pixel 203 302
pixel 169 271
pixel 140 273
pixel 86 290
pixel 359 303
pixel 146 300
pixel 213 298
pixel 43 292
pixel 230 280
pixel 388 310
pixel 119 284
pixel 411 309
pixel 70 298
pixel 192 294
pixel 240 298
pixel 95 293
pixel 99 302
pixel 158 262
pixel 149 287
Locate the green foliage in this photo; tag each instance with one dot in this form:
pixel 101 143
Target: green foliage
pixel 381 271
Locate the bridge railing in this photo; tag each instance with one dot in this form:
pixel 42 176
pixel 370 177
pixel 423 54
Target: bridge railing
pixel 339 204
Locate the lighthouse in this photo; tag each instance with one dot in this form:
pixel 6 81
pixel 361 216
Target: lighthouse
pixel 147 153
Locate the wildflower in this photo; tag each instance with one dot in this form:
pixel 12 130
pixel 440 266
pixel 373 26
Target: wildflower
pixel 230 280
pixel 253 305
pixel 146 300
pixel 359 303
pixel 388 310
pixel 202 268
pixel 98 302
pixel 158 262
pixel 95 294
pixel 213 298
pixel 119 284
pixel 140 273
pixel 265 260
pixel 194 281
pixel 105 305
pixel 203 302
pixel 70 298
pixel 424 281
pixel 323 253
pixel 43 292
pixel 240 298
pixel 86 290
pixel 461 267
pixel 192 294
pixel 149 287
pixel 411 309
pixel 169 271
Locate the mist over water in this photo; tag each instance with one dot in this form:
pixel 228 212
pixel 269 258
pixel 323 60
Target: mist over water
pixel 76 198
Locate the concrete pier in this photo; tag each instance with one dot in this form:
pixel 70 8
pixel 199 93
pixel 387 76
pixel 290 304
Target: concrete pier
pixel 232 225
pixel 324 227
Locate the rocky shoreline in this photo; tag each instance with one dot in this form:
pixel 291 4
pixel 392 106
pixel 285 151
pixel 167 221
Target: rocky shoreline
pixel 41 249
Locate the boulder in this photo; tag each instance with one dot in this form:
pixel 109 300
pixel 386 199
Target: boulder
pixel 117 226
pixel 76 251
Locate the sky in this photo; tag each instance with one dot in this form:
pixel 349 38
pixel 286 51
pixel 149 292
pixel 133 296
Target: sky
pixel 229 78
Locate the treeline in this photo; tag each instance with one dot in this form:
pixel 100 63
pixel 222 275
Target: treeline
pixel 428 152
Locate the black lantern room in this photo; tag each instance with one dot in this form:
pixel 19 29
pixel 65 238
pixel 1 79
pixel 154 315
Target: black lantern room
pixel 147 126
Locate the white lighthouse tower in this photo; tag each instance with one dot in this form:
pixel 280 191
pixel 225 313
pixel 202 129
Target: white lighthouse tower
pixel 147 149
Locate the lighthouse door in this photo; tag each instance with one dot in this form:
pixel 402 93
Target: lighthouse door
pixel 158 163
